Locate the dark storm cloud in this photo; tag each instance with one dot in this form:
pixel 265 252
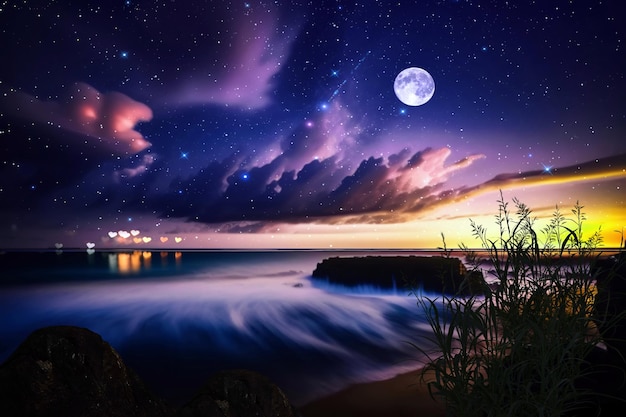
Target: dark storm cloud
pixel 319 192
pixel 380 190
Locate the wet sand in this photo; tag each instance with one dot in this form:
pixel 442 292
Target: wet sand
pixel 402 396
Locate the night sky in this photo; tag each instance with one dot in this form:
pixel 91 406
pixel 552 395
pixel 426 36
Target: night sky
pixel 215 124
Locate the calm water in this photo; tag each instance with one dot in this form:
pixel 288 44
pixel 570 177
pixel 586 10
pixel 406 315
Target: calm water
pixel 178 317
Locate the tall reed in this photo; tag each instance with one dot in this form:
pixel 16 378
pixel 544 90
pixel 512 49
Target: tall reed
pixel 519 345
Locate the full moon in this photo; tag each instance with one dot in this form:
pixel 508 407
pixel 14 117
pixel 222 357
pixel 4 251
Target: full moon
pixel 414 86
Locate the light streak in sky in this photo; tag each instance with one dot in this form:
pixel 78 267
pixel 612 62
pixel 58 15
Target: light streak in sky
pixel 345 80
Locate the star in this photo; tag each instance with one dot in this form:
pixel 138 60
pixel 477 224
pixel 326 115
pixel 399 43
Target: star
pixel 547 169
pixel 266 87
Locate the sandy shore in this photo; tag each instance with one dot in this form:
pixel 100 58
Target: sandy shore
pixel 402 396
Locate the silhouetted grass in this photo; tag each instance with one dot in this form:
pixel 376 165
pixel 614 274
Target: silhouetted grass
pixel 519 346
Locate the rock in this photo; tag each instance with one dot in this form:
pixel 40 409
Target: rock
pixel 604 380
pixel 70 371
pixel 430 273
pixel 610 274
pixel 238 393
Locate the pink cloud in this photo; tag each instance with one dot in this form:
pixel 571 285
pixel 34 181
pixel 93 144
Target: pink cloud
pixel 427 169
pixel 146 161
pixel 107 119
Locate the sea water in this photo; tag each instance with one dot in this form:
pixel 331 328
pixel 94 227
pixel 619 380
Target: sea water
pixel 178 317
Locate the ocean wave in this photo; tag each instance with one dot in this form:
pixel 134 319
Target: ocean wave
pixel 310 338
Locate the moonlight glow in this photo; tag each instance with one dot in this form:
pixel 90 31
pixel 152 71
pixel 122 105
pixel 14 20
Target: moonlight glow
pixel 414 86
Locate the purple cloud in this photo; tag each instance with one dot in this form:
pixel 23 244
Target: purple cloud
pixel 320 191
pixel 141 168
pixel 106 121
pixel 243 76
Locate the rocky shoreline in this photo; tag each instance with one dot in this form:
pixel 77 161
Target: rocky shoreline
pixel 72 371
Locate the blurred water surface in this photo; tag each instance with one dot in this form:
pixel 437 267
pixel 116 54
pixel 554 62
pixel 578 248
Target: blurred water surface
pixel 177 317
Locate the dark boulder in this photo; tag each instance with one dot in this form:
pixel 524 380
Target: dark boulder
pixel 604 381
pixel 610 275
pixel 70 371
pixel 238 393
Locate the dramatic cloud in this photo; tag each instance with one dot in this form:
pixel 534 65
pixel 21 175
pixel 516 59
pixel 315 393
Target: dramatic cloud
pixel 103 121
pixel 320 172
pixel 322 190
pixel 380 190
pixel 601 169
pixel 49 147
pixel 281 116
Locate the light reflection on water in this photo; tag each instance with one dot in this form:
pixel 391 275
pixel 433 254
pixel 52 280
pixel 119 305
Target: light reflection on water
pixel 178 317
pixel 137 261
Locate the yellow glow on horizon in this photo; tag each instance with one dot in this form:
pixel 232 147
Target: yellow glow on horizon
pixel 598 193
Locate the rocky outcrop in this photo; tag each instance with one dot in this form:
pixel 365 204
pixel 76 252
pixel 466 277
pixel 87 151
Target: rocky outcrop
pixel 610 275
pixel 430 273
pixel 238 393
pixel 605 368
pixel 71 371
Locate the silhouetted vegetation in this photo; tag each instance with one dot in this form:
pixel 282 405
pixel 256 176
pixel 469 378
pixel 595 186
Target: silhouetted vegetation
pixel 528 344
